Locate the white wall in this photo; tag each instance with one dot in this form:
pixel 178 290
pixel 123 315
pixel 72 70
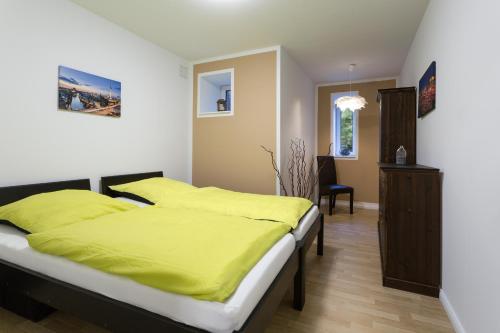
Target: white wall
pixel 297 110
pixel 209 95
pixel 39 143
pixel 461 137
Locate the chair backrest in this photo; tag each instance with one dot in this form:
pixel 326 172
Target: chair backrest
pixel 327 173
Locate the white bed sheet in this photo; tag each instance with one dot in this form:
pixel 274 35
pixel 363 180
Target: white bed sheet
pixel 134 202
pixel 211 316
pixel 302 228
pixel 305 223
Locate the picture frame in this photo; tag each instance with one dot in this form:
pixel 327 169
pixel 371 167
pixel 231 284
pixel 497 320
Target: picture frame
pixel 88 93
pixel 427 91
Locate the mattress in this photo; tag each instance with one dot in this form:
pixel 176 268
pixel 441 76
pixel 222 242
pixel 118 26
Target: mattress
pixel 305 223
pixel 211 316
pixel 299 233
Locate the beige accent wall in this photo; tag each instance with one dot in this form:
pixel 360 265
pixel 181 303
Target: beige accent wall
pixel 226 150
pixel 362 174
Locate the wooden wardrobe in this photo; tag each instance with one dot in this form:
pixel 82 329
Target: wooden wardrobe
pixel 410 202
pixel 398 123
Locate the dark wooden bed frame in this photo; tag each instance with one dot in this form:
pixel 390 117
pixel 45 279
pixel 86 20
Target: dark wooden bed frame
pixel 35 295
pixel 106 182
pixel 302 246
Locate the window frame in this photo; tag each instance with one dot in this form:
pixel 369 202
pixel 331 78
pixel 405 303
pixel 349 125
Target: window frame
pixel 214 113
pixel 333 133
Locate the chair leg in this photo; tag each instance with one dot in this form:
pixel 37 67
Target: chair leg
pixel 330 203
pixel 351 203
pixel 334 202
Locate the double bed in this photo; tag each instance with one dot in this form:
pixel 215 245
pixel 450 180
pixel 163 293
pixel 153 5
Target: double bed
pixel 33 284
pixel 310 227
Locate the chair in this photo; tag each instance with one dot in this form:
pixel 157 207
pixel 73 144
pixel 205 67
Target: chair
pixel 328 183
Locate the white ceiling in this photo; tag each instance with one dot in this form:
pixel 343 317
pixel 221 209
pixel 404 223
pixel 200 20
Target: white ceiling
pixel 323 36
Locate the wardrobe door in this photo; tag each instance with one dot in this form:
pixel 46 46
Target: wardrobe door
pixel 427 242
pixel 397 123
pixel 400 224
pixel 382 224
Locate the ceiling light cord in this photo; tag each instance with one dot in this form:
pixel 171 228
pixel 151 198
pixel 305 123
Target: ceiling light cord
pixel 350 102
pixel 351 69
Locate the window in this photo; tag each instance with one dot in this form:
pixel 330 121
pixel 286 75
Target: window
pixel 344 129
pixel 216 93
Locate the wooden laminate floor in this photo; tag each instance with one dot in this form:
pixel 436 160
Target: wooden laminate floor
pixel 344 288
pixel 344 292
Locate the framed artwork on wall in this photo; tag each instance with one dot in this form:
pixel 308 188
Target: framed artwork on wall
pixel 427 91
pixel 87 93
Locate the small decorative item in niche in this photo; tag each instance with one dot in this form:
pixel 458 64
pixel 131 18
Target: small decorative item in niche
pixel 228 99
pixel 88 93
pixel 221 105
pixel 427 91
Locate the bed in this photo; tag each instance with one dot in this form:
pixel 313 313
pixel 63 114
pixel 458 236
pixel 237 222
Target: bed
pixel 34 284
pixel 310 226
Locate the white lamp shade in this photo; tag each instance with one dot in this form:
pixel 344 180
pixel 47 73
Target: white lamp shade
pixel 352 103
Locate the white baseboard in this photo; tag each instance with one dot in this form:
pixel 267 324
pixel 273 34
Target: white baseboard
pixel 452 315
pixel 357 204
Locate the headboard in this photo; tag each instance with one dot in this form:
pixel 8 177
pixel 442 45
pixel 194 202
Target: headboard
pixel 108 181
pixel 14 193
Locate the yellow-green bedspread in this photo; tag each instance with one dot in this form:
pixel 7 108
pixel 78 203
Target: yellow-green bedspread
pixel 288 210
pixel 189 252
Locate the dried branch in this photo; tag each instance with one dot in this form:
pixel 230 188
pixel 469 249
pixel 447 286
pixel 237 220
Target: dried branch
pixel 311 179
pixel 304 168
pixel 275 167
pixel 291 167
pixel 296 156
pixel 302 176
pixel 315 177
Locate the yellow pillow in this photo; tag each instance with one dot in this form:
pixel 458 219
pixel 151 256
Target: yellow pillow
pixel 154 189
pixel 46 211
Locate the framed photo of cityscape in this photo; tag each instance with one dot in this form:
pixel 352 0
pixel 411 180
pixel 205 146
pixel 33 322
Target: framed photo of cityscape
pixel 427 91
pixel 87 93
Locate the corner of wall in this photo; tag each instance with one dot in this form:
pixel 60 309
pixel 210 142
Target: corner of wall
pixel 297 109
pixel 452 315
pixel 190 122
pixel 280 79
